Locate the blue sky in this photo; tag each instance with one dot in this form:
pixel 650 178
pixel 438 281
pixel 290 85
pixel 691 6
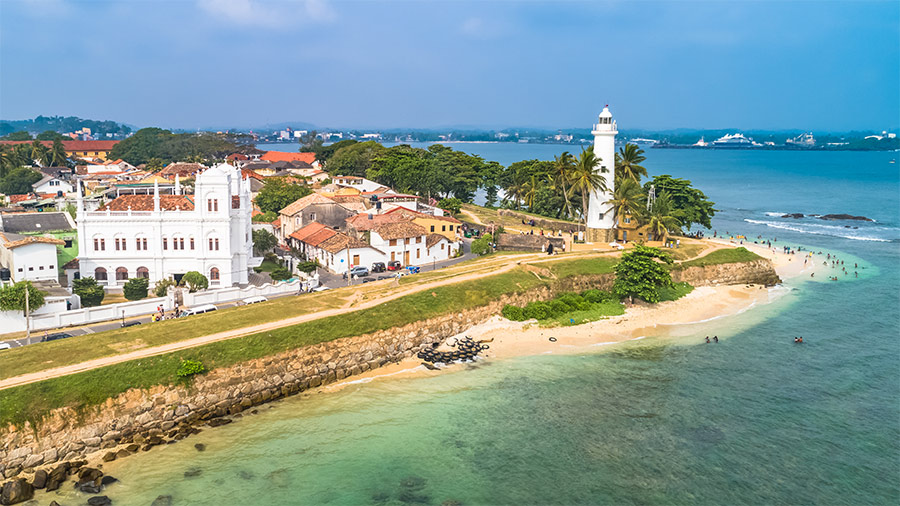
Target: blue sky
pixel 228 63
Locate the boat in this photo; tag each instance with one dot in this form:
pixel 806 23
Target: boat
pixel 806 140
pixel 734 141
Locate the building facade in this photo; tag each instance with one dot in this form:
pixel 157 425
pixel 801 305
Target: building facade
pixel 601 220
pixel 164 236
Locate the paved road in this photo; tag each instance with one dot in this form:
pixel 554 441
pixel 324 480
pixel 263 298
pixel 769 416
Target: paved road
pixel 326 278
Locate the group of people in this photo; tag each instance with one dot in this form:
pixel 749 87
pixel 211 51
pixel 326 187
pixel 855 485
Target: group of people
pixel 715 339
pixel 160 314
pixel 798 339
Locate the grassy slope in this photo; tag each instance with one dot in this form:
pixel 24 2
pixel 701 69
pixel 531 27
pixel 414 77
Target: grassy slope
pixel 722 256
pixel 597 312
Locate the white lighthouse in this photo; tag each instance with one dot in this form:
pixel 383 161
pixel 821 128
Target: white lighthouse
pixel 601 223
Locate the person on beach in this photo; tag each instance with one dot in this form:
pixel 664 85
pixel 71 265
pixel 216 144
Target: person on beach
pixel 707 339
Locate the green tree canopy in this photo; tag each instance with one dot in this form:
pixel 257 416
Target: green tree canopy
pixel 19 180
pixel 18 136
pixel 148 143
pixel 451 204
pixel 51 135
pixel 276 194
pixel 628 163
pixel 263 241
pixel 194 281
pixel 324 152
pixel 639 274
pixel 689 204
pixel 354 159
pixel 12 297
pixel 89 291
pixel 136 288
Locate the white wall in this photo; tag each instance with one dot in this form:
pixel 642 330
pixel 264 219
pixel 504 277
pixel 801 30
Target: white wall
pixel 35 262
pixel 235 293
pixel 62 318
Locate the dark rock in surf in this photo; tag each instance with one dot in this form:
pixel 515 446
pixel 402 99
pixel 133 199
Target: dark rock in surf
pixel 40 479
pixel 844 217
pixel 108 480
pixel 200 447
pixel 793 215
pixel 100 500
pixel 192 472
pixel 163 500
pixel 16 491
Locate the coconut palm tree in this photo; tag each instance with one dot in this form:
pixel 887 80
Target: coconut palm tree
pixel 516 188
pixel 628 199
pixel 57 154
pixel 628 163
pixel 562 174
pixel 38 152
pixel 587 177
pixel 662 218
pixel 529 191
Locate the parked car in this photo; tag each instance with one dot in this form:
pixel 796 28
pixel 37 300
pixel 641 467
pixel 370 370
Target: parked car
pixel 413 269
pixel 367 280
pixel 131 324
pixel 252 300
pixel 54 337
pixel 384 277
pixel 205 308
pixel 5 346
pixel 378 267
pixel 358 271
pixel 394 265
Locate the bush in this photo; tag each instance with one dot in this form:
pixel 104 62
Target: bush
pixel 90 292
pixel 272 257
pixel 136 288
pixel 267 217
pixel 574 301
pixel 513 313
pixel 481 246
pixel 538 311
pixel 194 281
pixel 595 296
pixel 189 368
pixel 162 287
pixel 307 267
pixel 558 307
pixel 280 274
pixel 452 204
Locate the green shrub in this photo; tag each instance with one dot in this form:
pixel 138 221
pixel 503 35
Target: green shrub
pixel 190 368
pixel 267 217
pixel 538 310
pixel 480 246
pixel 307 267
pixel 558 307
pixel 194 281
pixel 280 274
pixel 136 288
pixel 162 287
pixel 513 313
pixel 90 292
pixel 272 257
pixel 595 296
pixel 574 301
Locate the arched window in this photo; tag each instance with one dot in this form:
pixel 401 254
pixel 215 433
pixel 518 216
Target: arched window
pixel 143 272
pixel 214 274
pixel 100 274
pixel 121 274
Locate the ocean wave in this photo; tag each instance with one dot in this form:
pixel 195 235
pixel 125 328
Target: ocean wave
pixel 831 230
pixel 777 215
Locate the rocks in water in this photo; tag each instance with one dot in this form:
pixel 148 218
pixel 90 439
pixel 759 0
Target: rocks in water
pixel 844 217
pixel 40 479
pixel 16 491
pixel 466 349
pixel 88 487
pixel 192 472
pixel 793 215
pixel 100 500
pixel 57 476
pixel 89 474
pixel 200 447
pixel 108 480
pixel 162 500
pixel 246 475
pixel 122 453
pixel 109 457
pixel 218 422
pixel 54 503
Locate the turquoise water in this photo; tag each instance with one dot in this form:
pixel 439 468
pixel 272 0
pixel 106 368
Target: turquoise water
pixel 754 419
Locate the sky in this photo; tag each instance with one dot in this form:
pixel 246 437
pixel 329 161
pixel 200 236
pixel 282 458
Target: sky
pixel 824 66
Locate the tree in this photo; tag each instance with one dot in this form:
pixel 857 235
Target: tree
pixel 18 136
pixel 136 288
pixel 690 204
pixel 161 288
pixel 354 159
pixel 12 297
pixel 276 194
pixel 563 166
pixel 452 204
pixel 263 241
pixel 148 143
pixel 662 217
pixel 586 178
pixel 482 245
pixel 628 163
pixel 19 181
pixel 155 164
pixel 628 199
pixel 39 153
pixel 194 281
pixel 280 274
pixel 639 274
pixel 58 156
pixel 50 135
pixel 89 291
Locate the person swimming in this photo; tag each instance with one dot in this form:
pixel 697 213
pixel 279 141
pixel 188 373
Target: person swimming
pixel 716 338
pixel 707 339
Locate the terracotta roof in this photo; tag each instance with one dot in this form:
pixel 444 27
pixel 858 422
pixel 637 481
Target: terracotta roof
pixel 302 234
pixel 13 199
pixel 339 242
pixel 282 156
pixel 182 169
pixel 73 145
pixel 247 173
pixel 145 203
pixel 71 264
pixel 433 239
pixel 236 156
pixel 304 202
pixel 399 230
pixel 15 240
pixel 416 214
pixel 362 221
pixel 277 223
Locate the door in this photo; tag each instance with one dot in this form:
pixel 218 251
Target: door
pixel 406 258
pixel 355 259
pixel 393 256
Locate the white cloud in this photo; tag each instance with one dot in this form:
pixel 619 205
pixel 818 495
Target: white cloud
pixel 269 13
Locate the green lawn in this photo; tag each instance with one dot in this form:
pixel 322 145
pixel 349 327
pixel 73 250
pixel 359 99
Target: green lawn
pixel 722 256
pixel 267 266
pixel 676 292
pixel 598 311
pixel 32 401
pixel 581 266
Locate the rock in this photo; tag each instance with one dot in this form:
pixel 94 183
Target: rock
pixel 133 447
pixel 793 215
pixel 91 441
pixel 40 479
pixel 218 422
pixel 50 456
pixel 163 500
pixel 16 491
pixel 122 453
pixel 54 503
pixel 200 447
pixel 108 480
pixel 88 487
pixel 192 472
pixel 844 217
pixel 33 460
pixel 89 474
pixel 100 500
pixel 109 457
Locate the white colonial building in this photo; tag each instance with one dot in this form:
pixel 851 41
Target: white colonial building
pixel 164 236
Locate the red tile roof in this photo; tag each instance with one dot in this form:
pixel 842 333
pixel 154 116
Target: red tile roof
pixel 73 145
pixel 416 214
pixel 14 199
pixel 362 221
pixel 401 230
pixel 145 203
pixel 182 170
pixel 313 229
pixel 283 156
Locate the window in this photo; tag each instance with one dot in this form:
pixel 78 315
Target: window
pixel 312 216
pixel 418 253
pixel 432 228
pixel 143 272
pixel 443 228
pixel 213 244
pixel 40 268
pixel 298 220
pixel 102 244
pixel 442 246
pixel 20 269
pixel 181 243
pixel 419 240
pixel 96 244
pixel 165 243
pixel 121 274
pixel 214 274
pixel 100 274
pixel 192 243
pixel 627 219
pixel 393 242
pixel 50 267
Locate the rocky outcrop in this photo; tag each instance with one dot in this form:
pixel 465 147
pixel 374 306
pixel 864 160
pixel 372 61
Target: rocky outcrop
pixel 844 217
pixel 140 419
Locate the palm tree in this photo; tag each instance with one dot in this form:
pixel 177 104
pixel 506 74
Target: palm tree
pixel 562 173
pixel 516 188
pixel 662 218
pixel 529 192
pixel 58 154
pixel 38 152
pixel 587 178
pixel 628 163
pixel 628 199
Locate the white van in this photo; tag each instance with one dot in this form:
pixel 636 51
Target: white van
pixel 200 309
pixel 253 300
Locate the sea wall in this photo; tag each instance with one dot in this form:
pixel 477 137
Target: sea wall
pixel 139 419
pixel 758 272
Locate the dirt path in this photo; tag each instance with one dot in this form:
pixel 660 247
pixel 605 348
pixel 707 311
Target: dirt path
pixel 231 334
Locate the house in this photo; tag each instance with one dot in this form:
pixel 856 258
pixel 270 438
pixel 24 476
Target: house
pixel 629 229
pixel 282 156
pixel 360 224
pixel 77 149
pixel 30 223
pixel 164 236
pixel 312 208
pixel 403 241
pixel 447 226
pixel 389 201
pixel 360 183
pixel 52 185
pixel 336 251
pixel 438 247
pixel 28 257
pixel 183 170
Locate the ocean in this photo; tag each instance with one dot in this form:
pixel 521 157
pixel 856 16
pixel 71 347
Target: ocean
pixel 754 419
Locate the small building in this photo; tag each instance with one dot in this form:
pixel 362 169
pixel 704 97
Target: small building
pixel 182 170
pixel 447 226
pixel 336 251
pixel 30 223
pixel 30 258
pixel 403 241
pixel 309 209
pixel 284 156
pixel 77 149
